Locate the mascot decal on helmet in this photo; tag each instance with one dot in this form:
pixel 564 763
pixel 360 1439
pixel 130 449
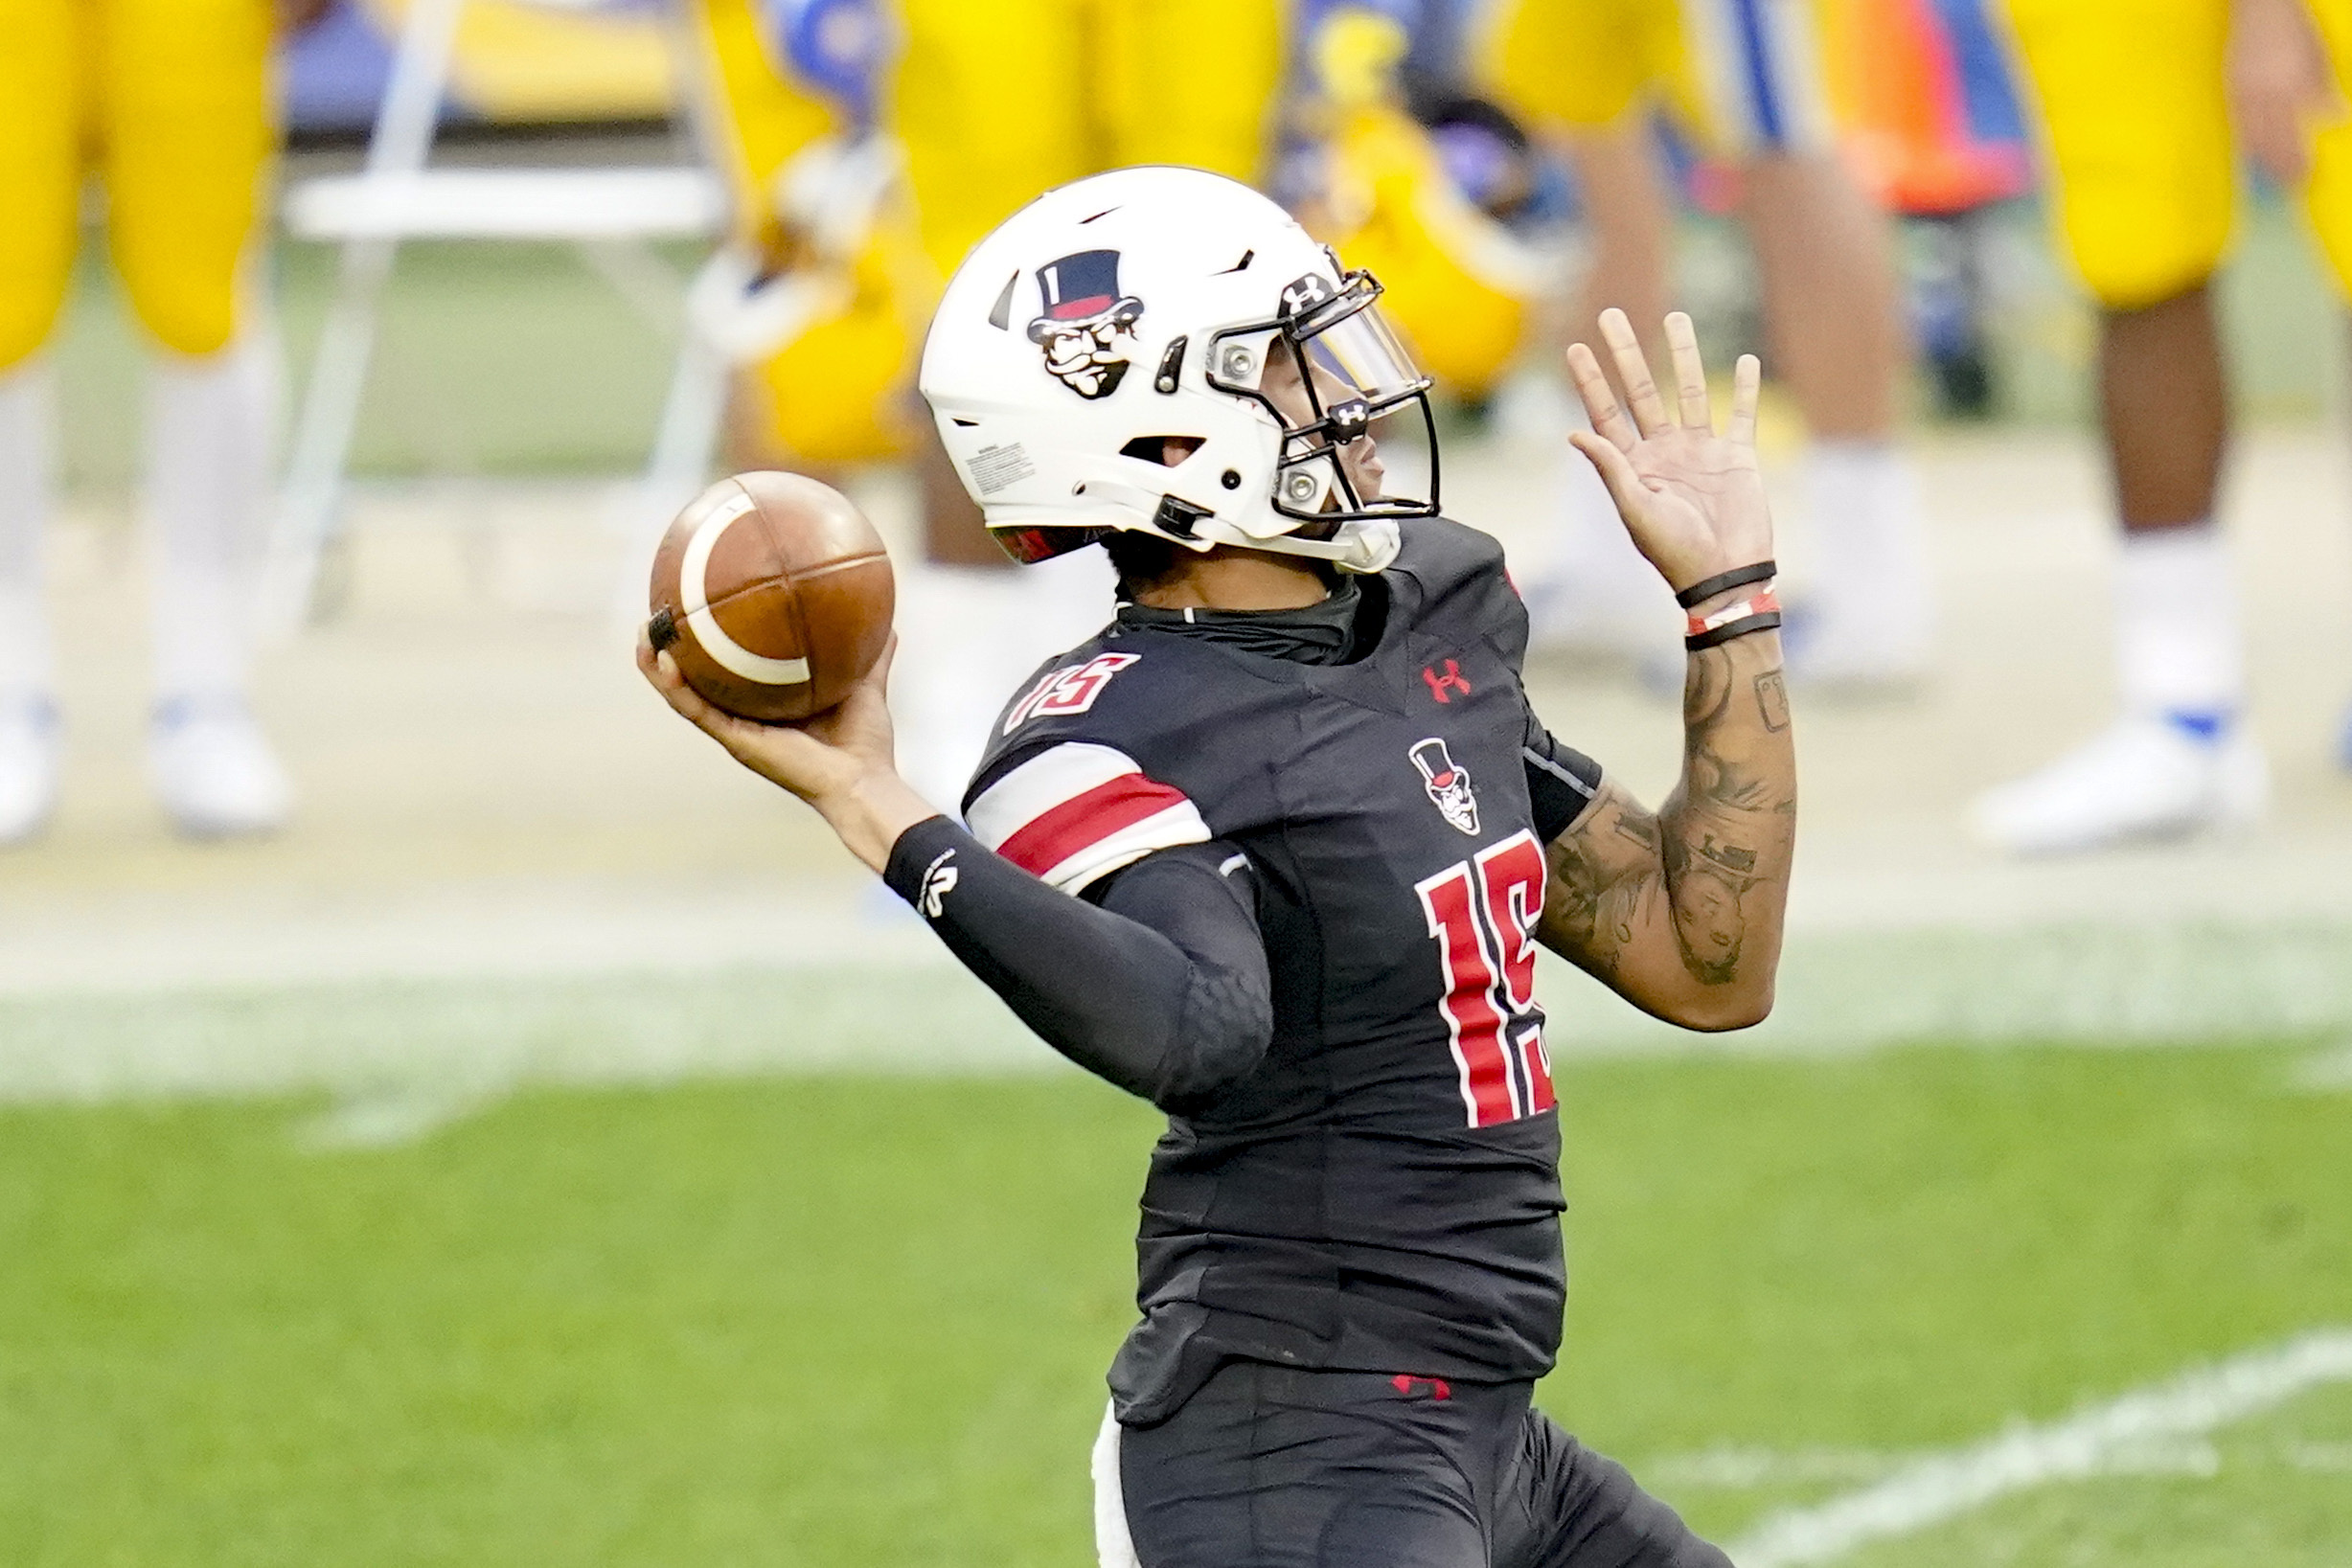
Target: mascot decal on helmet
pixel 1088 330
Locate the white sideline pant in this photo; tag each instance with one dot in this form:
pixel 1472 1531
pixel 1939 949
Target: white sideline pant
pixel 209 434
pixel 1113 1547
pixel 28 439
pixel 210 428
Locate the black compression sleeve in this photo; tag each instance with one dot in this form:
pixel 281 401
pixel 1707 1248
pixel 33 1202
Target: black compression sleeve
pixel 1162 988
pixel 1561 780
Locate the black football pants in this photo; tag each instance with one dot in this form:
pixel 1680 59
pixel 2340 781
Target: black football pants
pixel 1275 1468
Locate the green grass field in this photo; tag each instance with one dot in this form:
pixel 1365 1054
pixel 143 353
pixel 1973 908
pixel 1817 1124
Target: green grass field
pixel 858 1320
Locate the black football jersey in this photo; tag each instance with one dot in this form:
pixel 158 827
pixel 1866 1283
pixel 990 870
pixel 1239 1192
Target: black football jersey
pixel 1383 1191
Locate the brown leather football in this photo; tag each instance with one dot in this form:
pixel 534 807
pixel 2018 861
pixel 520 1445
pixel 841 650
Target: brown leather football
pixel 773 594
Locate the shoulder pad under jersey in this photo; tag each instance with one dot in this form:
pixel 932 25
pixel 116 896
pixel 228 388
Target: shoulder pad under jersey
pixel 1460 583
pixel 1074 781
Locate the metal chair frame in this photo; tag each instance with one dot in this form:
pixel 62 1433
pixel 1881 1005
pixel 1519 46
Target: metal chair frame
pixel 396 196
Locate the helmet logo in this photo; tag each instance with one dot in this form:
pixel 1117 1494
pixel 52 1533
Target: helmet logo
pixel 1448 782
pixel 1304 294
pixel 1088 330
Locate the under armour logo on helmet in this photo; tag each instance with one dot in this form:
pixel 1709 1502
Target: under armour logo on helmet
pixel 1304 294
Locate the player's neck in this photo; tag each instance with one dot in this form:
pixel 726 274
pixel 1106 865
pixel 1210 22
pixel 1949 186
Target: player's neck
pixel 1227 578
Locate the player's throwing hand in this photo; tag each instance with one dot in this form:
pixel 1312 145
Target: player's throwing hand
pixel 1693 500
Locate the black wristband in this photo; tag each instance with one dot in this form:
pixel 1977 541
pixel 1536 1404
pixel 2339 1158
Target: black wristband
pixel 1730 629
pixel 1739 576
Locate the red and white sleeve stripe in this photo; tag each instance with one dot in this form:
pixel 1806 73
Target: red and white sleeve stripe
pixel 1078 811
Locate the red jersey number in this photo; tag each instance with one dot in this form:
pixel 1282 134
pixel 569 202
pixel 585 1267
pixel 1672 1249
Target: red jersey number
pixel 1070 689
pixel 1482 913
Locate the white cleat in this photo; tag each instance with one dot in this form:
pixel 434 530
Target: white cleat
pixel 213 770
pixel 28 751
pixel 2146 776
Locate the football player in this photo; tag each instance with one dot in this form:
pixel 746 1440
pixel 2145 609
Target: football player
pixel 1740 78
pixel 1276 848
pixel 168 103
pixel 2139 103
pixel 1407 178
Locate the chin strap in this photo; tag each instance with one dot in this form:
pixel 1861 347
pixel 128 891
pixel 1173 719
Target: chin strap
pixel 1364 545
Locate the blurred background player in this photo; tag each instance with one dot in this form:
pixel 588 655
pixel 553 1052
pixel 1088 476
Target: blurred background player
pixel 1741 77
pixel 2139 102
pixel 823 287
pixel 1389 158
pixel 949 117
pixel 1928 116
pixel 167 104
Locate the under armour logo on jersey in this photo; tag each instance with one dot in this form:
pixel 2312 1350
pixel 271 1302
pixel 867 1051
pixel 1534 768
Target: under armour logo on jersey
pixel 1405 1382
pixel 1448 782
pixel 1453 680
pixel 1306 293
pixel 939 879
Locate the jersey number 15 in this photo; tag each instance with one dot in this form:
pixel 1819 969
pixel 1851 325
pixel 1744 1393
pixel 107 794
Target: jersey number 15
pixel 1482 913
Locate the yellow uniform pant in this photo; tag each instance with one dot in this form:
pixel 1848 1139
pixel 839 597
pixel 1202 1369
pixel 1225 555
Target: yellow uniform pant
pixel 999 100
pixel 1743 77
pixel 2135 121
pixel 993 102
pixel 169 102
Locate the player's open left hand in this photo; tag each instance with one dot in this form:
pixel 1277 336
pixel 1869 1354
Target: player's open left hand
pixel 1693 500
pixel 841 761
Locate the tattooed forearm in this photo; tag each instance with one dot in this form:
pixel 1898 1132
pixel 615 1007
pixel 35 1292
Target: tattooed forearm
pixel 1638 827
pixel 1773 701
pixel 1706 883
pixel 1681 911
pixel 1602 878
pixel 1713 849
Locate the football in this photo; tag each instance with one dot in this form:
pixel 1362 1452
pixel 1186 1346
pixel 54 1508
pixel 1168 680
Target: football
pixel 774 595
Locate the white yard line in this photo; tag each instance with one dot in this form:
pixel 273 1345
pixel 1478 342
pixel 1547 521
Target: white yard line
pixel 2092 1441
pixel 393 1120
pixel 2328 1071
pixel 524 930
pixel 780 990
pixel 2319 1458
pixel 1734 1469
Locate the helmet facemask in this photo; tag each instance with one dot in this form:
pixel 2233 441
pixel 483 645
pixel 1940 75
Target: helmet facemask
pixel 1338 382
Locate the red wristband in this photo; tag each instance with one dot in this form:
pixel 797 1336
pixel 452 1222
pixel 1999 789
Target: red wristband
pixel 1763 604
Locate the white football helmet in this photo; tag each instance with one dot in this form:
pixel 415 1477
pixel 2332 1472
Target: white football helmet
pixel 1166 350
